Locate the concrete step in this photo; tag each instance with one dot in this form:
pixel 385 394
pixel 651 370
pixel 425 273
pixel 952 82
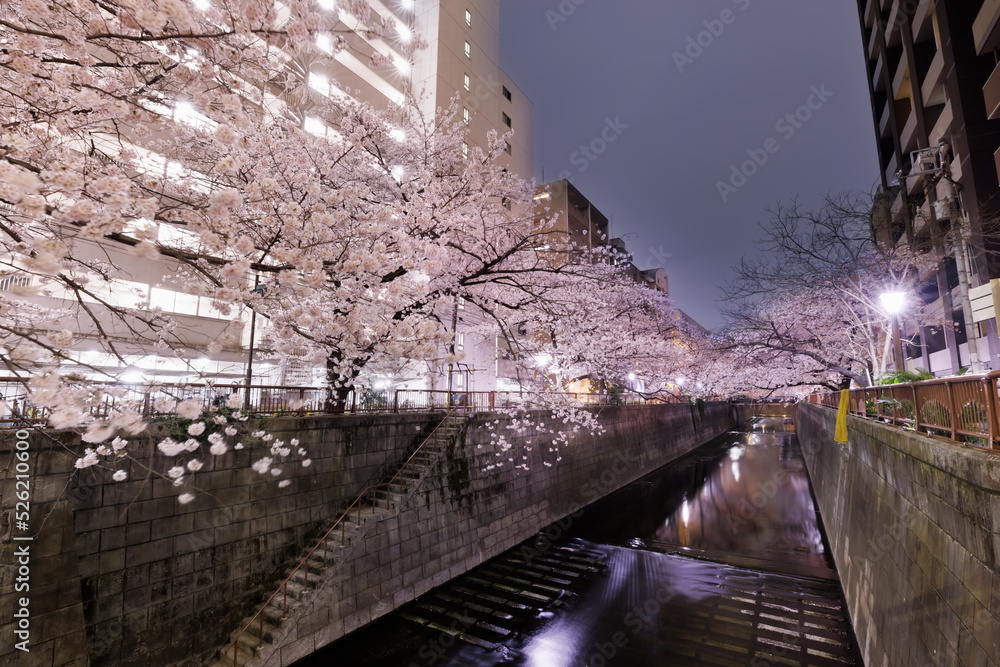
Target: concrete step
pixel 383 503
pixel 270 632
pixel 314 577
pixel 243 656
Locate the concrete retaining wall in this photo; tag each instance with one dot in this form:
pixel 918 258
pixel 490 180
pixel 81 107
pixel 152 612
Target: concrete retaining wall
pixel 124 575
pixel 467 514
pixel 914 525
pixel 150 578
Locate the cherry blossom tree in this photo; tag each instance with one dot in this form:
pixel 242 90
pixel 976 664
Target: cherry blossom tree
pixel 807 310
pixel 188 136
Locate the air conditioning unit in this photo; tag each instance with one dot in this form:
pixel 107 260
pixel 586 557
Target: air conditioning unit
pixel 925 161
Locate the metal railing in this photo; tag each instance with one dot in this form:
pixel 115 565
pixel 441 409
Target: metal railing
pixel 303 564
pixel 287 400
pixel 963 409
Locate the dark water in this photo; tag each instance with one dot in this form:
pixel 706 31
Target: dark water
pixel 715 559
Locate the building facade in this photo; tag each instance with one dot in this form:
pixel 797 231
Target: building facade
pixel 927 63
pixel 459 62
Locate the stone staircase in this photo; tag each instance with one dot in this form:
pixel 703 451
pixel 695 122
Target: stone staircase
pixel 258 636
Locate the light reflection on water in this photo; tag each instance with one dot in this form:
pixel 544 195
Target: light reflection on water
pixel 747 495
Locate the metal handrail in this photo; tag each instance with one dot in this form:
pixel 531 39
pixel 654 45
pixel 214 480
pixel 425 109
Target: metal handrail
pixel 962 409
pixel 283 399
pixel 283 587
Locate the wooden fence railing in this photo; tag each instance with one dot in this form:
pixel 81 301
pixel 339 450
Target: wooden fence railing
pixel 964 409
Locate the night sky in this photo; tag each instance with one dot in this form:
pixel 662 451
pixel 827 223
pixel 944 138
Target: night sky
pixel 597 66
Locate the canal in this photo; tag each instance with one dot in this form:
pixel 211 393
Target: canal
pixel 716 559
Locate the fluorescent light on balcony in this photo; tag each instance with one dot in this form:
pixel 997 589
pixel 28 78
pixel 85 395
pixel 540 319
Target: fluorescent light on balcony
pixel 544 195
pixel 319 83
pixel 402 65
pixel 132 377
pixel 398 134
pixel 328 5
pixel 315 126
pixel 405 34
pixel 324 43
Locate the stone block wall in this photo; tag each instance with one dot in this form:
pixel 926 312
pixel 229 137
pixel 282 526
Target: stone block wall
pixel 914 525
pixel 150 578
pixel 465 513
pixel 122 574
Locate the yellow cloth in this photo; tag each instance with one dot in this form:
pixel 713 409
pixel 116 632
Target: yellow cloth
pixel 841 433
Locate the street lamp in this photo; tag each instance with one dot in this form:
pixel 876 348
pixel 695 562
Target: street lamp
pixel 893 303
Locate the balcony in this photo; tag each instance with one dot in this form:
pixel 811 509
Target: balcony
pixel 921 218
pixel 892 32
pixel 900 78
pixel 896 208
pixel 891 169
pixel 922 26
pixel 883 122
pixel 984 28
pixel 991 93
pixel 877 83
pixel 908 137
pixel 873 44
pixel 996 161
pixel 942 127
pixel 932 88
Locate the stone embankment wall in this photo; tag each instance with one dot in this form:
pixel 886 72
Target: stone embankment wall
pixel 122 574
pixel 914 525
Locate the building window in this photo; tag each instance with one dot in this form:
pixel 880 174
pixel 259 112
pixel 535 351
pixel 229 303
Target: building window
pixel 506 203
pixel 459 342
pixel 468 18
pixel 468 50
pixel 465 114
pixel 507 148
pixel 506 93
pixel 465 150
pixel 459 380
pixel 468 82
pixel 506 120
pixel 461 303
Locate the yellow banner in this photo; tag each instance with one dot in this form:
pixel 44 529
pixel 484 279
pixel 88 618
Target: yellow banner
pixel 841 433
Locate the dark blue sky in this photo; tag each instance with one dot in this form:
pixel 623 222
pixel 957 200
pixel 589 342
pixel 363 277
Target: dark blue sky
pixel 690 120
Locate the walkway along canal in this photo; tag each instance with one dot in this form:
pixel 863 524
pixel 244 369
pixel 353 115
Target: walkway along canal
pixel 715 559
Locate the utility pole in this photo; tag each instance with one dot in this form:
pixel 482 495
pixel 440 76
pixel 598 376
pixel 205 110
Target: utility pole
pixel 959 222
pixel 454 335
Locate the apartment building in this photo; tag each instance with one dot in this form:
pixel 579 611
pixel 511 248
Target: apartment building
pixel 927 64
pixel 461 64
pixel 460 61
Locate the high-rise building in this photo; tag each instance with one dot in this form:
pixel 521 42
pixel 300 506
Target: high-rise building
pixel 460 61
pixel 927 63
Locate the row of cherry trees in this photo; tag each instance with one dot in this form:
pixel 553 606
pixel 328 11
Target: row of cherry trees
pixel 138 131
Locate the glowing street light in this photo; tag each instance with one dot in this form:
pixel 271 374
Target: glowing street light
pixel 893 302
